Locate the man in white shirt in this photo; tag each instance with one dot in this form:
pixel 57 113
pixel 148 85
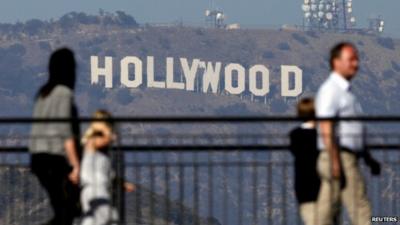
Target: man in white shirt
pixel 341 142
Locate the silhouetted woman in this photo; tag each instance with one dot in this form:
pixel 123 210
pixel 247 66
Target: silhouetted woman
pixel 55 158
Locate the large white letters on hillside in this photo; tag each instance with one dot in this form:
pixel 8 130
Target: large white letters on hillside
pixel 298 84
pixel 264 72
pixel 196 75
pixel 229 86
pixel 211 76
pixel 97 71
pixel 150 75
pixel 137 81
pixel 190 72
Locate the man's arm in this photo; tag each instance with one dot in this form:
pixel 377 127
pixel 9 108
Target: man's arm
pixel 327 132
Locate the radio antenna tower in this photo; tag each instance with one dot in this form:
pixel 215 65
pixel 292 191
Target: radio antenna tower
pixel 211 4
pixel 376 24
pixel 215 18
pixel 328 15
pixel 346 20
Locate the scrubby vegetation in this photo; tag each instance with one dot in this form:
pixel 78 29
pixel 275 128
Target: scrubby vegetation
pixel 67 23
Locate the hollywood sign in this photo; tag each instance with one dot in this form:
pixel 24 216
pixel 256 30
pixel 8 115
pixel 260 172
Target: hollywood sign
pixel 232 78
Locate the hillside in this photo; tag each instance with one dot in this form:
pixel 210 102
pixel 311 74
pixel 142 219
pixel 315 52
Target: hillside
pixel 24 60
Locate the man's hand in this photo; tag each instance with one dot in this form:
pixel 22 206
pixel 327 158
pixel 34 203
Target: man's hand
pixel 373 164
pixel 375 167
pixel 74 176
pixel 129 187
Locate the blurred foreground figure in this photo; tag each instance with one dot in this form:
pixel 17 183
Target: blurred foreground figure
pixel 55 159
pixel 303 145
pixel 341 143
pixel 97 175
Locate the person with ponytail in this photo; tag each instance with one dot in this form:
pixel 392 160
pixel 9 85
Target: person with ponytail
pixel 55 155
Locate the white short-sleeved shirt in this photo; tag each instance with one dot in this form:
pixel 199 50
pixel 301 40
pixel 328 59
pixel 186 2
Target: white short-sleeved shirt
pixel 335 99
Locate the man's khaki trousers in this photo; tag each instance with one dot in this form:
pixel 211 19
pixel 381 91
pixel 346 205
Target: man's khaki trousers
pixel 308 213
pixel 331 196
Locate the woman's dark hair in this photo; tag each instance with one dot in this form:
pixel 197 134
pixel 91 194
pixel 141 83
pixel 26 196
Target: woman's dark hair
pixel 336 51
pixel 62 71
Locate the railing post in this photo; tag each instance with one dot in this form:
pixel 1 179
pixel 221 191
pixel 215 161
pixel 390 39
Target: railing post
pixel 121 174
pixel 119 165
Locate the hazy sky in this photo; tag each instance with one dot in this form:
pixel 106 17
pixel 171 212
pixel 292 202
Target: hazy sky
pixel 246 12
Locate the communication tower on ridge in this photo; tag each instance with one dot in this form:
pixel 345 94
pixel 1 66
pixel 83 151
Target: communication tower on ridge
pixel 215 18
pixel 334 15
pixel 376 24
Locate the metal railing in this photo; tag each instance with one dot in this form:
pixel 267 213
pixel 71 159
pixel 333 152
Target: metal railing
pixel 199 170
